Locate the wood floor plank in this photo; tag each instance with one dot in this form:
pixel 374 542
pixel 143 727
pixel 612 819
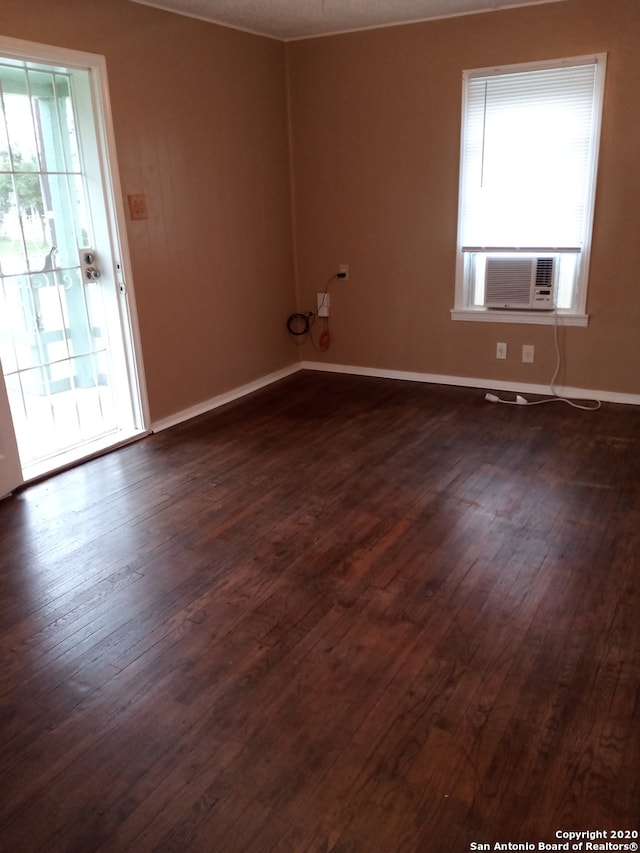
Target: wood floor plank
pixel 341 614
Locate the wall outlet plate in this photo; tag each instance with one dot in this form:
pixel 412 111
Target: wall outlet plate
pixel 137 206
pixel 324 301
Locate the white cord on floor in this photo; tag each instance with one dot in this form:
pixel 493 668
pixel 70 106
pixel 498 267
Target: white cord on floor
pixel 556 398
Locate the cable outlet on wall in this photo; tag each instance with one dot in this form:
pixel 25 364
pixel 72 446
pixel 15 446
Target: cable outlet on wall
pixel 501 350
pixel 343 271
pixel 527 353
pixel 324 301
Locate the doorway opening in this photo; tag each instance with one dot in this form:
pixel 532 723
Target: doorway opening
pixel 68 345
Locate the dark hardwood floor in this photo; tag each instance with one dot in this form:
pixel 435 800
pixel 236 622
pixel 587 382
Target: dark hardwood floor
pixel 344 614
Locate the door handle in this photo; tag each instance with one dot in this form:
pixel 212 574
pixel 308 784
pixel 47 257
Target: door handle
pixel 90 272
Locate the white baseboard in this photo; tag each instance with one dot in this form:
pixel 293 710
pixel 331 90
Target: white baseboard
pixel 473 382
pixel 222 399
pixel 435 378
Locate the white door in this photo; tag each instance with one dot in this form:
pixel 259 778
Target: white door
pixel 10 469
pixel 68 344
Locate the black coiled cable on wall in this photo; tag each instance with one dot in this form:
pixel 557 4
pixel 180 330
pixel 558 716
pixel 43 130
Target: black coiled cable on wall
pixel 299 324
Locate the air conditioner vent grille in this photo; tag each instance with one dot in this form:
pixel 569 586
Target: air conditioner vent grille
pixel 545 272
pixel 510 280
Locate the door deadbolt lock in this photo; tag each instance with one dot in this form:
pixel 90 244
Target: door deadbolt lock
pixel 90 272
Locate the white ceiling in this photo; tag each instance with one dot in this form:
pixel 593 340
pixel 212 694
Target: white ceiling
pixel 294 19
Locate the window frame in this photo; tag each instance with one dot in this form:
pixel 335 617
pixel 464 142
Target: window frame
pixel 576 315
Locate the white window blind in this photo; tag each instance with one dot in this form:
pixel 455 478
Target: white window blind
pixel 527 157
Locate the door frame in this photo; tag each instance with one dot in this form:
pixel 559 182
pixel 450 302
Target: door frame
pixel 96 65
pixel 10 468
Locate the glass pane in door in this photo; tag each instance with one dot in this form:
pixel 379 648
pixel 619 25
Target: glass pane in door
pixel 54 332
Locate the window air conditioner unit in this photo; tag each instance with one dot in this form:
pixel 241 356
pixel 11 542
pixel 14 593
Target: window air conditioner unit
pixel 526 283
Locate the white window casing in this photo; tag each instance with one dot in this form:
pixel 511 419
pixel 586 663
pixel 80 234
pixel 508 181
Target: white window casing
pixel 528 164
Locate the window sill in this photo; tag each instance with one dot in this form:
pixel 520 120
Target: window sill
pixel 533 318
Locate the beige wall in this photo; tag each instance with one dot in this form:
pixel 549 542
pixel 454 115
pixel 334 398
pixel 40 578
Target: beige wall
pixel 376 128
pixel 201 126
pixel 200 116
